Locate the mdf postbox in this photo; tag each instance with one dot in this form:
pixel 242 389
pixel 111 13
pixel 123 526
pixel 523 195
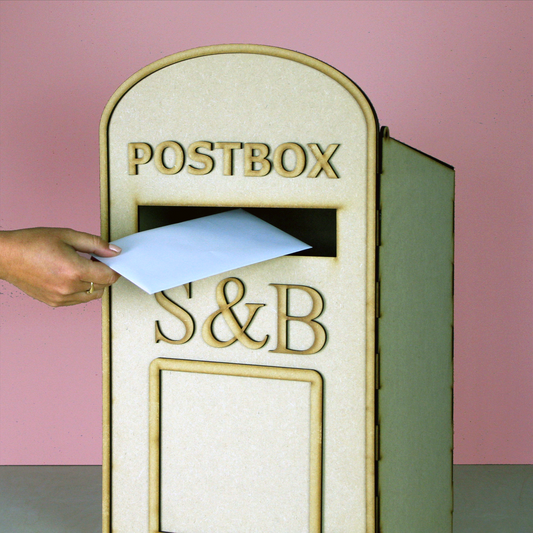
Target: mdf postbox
pixel 310 393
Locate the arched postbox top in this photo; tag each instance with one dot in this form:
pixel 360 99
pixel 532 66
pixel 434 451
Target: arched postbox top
pixel 282 53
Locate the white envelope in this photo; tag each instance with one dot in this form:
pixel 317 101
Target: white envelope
pixel 166 257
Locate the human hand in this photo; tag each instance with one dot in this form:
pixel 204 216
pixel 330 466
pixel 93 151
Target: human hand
pixel 44 263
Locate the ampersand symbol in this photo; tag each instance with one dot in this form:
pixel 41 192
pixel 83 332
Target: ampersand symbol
pixel 225 309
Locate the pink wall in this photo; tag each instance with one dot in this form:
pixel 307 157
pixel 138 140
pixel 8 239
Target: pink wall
pixel 452 79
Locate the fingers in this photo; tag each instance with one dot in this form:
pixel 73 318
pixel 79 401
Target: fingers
pixel 90 270
pixel 96 295
pixel 91 244
pixel 87 271
pixel 101 275
pixel 77 298
pixel 89 287
pixel 59 299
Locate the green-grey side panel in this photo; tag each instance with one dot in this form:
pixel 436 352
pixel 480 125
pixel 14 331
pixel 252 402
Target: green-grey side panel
pixel 415 337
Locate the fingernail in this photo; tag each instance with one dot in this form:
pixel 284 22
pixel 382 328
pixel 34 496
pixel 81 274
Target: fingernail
pixel 115 248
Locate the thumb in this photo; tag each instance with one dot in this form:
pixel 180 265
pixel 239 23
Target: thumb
pixel 91 244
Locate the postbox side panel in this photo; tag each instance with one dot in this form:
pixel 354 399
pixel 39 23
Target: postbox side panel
pixel 415 342
pixel 309 313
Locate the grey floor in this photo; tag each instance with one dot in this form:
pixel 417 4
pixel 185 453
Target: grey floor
pixel 66 499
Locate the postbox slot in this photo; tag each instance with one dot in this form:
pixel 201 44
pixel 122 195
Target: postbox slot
pixel 316 227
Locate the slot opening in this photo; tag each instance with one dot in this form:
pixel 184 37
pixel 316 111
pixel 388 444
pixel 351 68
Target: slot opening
pixel 316 227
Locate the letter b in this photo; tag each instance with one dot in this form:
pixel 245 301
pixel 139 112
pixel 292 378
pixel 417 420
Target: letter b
pixel 283 319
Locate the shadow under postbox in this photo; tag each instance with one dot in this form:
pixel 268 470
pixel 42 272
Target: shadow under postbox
pixel 308 393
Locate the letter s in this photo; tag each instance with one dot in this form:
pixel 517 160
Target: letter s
pixel 179 313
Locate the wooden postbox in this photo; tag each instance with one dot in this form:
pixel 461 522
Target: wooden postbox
pixel 306 394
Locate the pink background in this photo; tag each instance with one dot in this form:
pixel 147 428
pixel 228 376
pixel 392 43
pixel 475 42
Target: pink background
pixel 453 79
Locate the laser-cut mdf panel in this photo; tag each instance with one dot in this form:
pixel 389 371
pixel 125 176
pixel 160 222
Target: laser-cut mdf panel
pixel 245 401
pixel 223 456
